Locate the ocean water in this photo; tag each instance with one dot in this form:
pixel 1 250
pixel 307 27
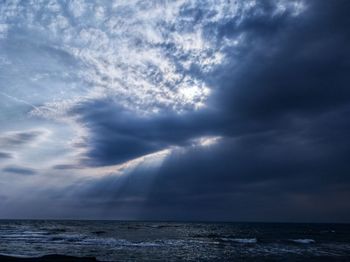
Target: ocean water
pixel 170 241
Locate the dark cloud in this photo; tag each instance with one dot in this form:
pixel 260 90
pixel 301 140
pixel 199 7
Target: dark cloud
pixel 271 176
pixel 281 104
pixel 66 166
pixel 300 70
pixel 19 138
pixel 288 69
pixel 5 155
pixel 19 170
pixel 118 135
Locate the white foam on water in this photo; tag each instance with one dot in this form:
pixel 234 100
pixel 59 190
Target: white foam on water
pixel 303 241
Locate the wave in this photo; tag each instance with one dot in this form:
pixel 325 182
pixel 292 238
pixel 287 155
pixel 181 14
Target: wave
pixel 117 242
pixel 207 236
pixel 303 241
pixel 162 226
pixel 12 255
pixel 221 238
pixel 240 240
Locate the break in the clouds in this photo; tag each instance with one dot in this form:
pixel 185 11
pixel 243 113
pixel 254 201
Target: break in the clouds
pixel 201 110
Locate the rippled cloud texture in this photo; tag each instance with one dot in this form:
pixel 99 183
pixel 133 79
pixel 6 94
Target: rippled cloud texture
pixel 199 110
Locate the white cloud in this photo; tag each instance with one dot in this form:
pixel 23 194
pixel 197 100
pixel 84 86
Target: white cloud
pixel 139 52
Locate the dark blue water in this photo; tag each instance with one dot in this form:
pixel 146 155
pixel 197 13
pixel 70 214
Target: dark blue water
pixel 165 241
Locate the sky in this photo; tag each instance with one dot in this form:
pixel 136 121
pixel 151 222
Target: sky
pixel 211 110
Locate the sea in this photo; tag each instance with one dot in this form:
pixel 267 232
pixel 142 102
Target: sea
pixel 175 241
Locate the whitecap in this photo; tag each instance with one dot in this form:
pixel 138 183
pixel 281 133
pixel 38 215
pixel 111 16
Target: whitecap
pixel 303 241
